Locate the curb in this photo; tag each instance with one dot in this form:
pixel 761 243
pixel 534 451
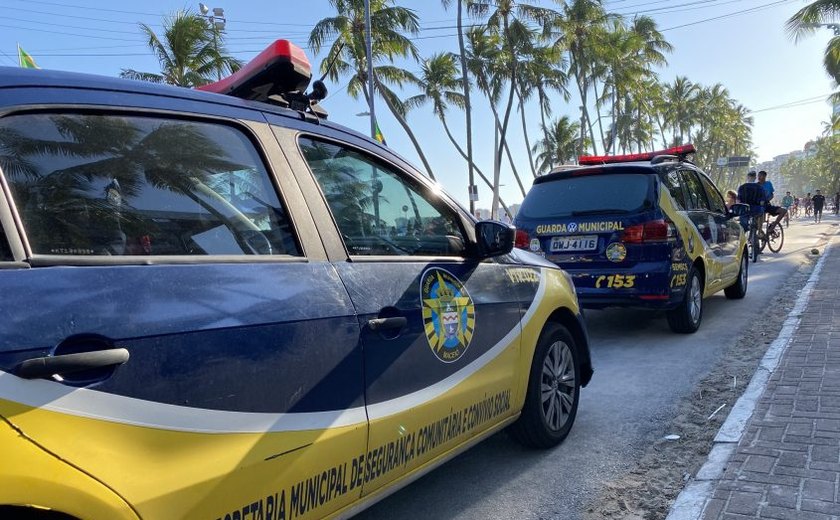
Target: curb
pixel 691 502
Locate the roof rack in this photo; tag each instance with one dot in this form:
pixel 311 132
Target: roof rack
pixel 278 75
pixel 677 153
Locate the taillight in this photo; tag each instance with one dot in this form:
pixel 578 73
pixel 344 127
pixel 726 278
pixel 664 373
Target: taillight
pixel 522 239
pixel 651 231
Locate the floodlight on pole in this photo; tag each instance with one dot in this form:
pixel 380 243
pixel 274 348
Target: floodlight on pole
pixel 217 23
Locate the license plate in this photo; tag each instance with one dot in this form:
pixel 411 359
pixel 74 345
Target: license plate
pixel 579 243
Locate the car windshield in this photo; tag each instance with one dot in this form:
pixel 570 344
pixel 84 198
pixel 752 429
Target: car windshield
pixel 588 195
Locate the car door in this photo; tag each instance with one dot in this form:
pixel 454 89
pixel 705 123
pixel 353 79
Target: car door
pixel 440 330
pixel 180 242
pixel 729 231
pixel 708 229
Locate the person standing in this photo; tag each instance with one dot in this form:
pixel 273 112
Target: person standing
pixel 819 202
pixel 808 203
pixel 837 203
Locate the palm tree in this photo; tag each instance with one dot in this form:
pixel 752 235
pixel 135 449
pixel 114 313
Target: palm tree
pixel 808 19
pixel 581 29
pixel 465 85
pixel 509 21
pixel 680 107
pixel 541 71
pixel 559 146
pixel 439 83
pixel 391 28
pixel 190 52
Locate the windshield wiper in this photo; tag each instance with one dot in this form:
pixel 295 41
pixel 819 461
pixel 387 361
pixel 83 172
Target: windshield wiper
pixel 598 212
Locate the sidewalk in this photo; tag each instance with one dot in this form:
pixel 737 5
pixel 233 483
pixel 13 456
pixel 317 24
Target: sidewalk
pixel 783 461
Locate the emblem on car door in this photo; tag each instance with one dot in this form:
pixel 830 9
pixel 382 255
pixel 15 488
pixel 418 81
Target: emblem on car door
pixel 448 314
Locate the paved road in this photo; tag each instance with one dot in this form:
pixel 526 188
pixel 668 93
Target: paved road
pixel 641 372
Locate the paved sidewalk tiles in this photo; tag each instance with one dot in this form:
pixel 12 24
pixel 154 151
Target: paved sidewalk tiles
pixel 787 464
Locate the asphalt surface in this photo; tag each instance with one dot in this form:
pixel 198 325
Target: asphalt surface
pixel 642 370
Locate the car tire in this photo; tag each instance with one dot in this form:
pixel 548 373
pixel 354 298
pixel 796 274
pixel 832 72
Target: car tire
pixel 738 290
pixel 686 318
pixel 553 392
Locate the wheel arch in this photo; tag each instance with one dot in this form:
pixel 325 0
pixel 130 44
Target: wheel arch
pixel 577 329
pixel 700 266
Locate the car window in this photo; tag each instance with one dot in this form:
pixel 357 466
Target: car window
pixel 695 195
pixel 130 185
pixel 671 180
pixel 715 199
pixel 620 193
pixel 377 210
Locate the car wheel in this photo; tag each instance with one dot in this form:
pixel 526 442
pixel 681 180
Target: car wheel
pixel 738 290
pixel 551 400
pixel 687 317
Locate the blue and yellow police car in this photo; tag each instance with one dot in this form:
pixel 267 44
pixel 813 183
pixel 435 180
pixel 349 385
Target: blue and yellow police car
pixel 219 305
pixel 646 230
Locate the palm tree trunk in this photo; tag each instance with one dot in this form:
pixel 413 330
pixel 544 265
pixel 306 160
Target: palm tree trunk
pixel 541 95
pixel 527 141
pixel 404 124
pixel 600 123
pixel 507 149
pixel 477 169
pixel 467 106
pixel 497 171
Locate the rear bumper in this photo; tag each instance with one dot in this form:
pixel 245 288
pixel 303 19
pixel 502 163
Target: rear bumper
pixel 645 285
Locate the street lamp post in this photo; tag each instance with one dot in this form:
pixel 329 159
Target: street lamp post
pixel 217 22
pixel 369 59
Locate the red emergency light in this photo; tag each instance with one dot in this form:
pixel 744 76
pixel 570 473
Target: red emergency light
pixel 678 151
pixel 280 74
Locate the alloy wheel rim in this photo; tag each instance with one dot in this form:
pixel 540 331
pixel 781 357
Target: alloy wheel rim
pixel 558 385
pixel 695 300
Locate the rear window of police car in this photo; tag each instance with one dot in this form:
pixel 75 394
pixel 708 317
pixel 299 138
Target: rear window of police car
pixel 589 194
pixel 99 184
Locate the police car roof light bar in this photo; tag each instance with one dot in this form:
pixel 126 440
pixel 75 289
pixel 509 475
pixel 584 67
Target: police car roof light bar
pixel 678 151
pixel 280 74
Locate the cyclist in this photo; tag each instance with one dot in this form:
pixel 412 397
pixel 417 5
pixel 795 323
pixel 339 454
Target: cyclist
pixel 795 209
pixel 787 202
pixel 819 202
pixel 807 204
pixel 753 194
pixel 775 211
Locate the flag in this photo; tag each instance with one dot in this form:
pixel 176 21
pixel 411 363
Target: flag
pixel 379 136
pixel 26 60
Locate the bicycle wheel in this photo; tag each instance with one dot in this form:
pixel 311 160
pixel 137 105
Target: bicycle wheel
pixel 775 238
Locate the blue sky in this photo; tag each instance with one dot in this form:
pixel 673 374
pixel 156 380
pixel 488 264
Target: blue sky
pixel 749 53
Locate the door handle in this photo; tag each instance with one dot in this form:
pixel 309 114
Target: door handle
pixel 397 322
pixel 69 363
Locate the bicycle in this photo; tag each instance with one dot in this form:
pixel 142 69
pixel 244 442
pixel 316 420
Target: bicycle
pixel 752 225
pixel 773 240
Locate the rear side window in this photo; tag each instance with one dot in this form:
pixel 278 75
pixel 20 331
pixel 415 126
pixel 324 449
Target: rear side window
pixel 671 180
pixel 131 185
pixel 715 199
pixel 591 194
pixel 694 193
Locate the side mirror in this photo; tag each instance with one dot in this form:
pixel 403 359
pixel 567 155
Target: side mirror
pixel 494 238
pixel 739 210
